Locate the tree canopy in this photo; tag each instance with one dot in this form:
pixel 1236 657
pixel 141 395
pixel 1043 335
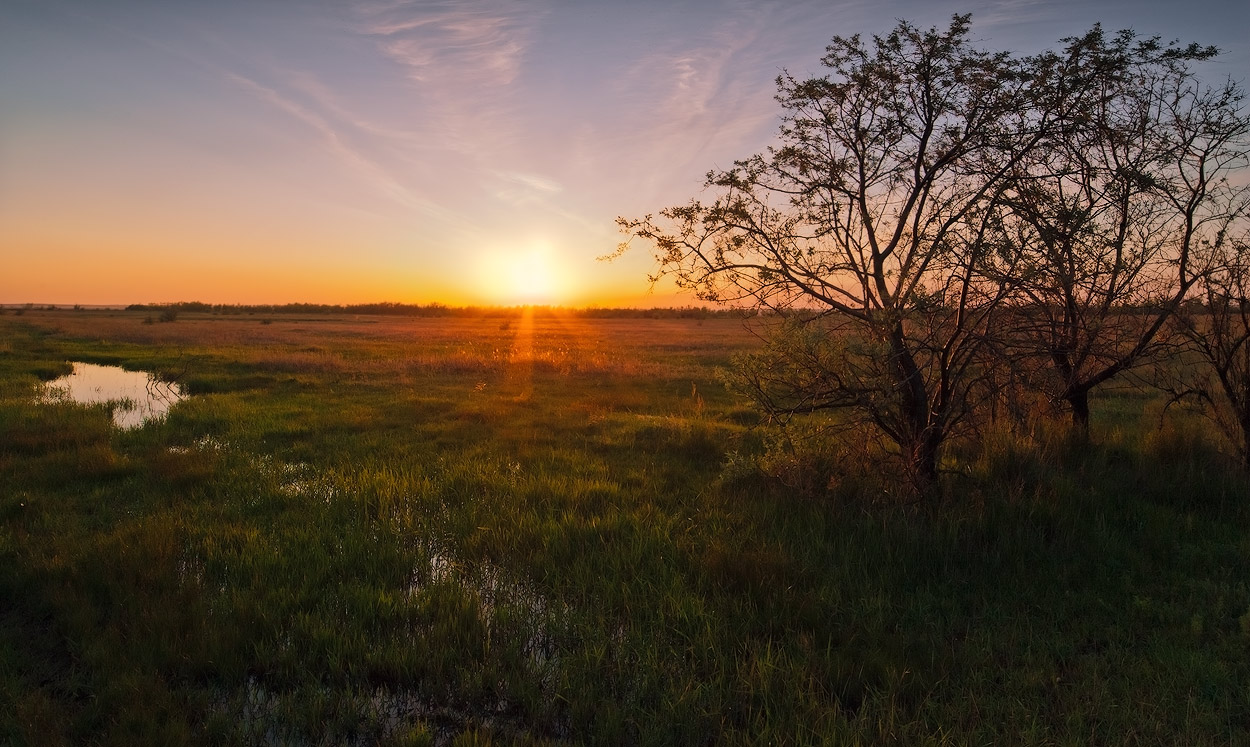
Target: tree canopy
pixel 938 221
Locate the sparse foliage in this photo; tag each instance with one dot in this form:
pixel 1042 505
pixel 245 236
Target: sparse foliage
pixel 870 220
pixel 1217 330
pixel 940 224
pixel 1123 211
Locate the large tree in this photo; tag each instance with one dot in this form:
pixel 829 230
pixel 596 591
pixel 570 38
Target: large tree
pixel 869 223
pixel 937 218
pixel 1123 211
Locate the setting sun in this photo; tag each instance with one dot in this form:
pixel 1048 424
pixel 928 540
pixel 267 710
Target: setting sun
pixel 525 274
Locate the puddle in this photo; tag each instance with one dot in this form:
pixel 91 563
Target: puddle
pixel 139 396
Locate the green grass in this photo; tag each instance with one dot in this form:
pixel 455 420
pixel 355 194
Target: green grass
pixel 426 531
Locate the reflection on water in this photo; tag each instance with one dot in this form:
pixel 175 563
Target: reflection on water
pixel 139 396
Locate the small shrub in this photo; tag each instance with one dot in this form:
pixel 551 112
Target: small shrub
pixel 823 462
pixel 169 315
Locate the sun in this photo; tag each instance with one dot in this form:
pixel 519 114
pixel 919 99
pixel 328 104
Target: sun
pixel 524 275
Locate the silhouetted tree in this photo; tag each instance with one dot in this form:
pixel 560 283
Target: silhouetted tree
pixel 1123 210
pixel 871 219
pixel 936 213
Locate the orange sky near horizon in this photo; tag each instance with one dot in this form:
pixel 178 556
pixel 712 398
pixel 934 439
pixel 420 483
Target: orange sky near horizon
pixel 466 153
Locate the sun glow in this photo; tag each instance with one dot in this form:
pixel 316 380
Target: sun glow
pixel 528 274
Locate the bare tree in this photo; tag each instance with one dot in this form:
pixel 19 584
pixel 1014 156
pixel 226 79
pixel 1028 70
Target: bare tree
pixel 868 225
pixel 1218 332
pixel 1122 212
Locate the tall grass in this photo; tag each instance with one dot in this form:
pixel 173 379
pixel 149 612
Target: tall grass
pixel 342 539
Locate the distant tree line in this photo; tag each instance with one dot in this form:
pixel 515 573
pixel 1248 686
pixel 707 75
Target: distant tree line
pixel 441 310
pixel 955 235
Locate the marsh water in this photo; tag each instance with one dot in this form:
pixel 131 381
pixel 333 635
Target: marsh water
pixel 139 396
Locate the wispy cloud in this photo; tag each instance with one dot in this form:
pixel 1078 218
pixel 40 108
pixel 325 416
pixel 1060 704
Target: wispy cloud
pixel 454 39
pixel 1042 16
pixel 331 102
pixel 689 99
pixel 465 62
pixel 530 182
pixel 354 158
pixel 347 135
pixel 463 59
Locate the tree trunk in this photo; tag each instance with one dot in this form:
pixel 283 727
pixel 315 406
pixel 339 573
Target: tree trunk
pixel 924 458
pixel 1078 403
pixel 1245 443
pixel 922 439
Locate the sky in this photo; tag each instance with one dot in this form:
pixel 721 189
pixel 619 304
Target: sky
pixel 278 151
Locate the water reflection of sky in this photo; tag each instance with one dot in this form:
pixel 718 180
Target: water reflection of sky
pixel 142 397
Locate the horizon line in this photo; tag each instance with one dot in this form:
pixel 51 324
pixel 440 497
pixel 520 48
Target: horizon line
pixel 309 305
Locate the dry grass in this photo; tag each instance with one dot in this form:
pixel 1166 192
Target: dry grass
pixel 381 345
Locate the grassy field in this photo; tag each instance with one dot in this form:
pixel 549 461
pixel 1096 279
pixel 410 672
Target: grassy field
pixel 551 529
